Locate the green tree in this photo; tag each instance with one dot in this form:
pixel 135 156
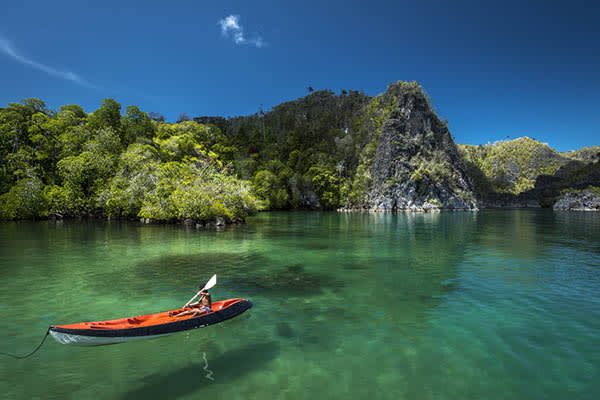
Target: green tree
pixel 44 134
pixel 75 110
pixel 136 176
pixel 268 188
pixel 24 200
pixel 137 125
pixel 107 116
pixel 327 186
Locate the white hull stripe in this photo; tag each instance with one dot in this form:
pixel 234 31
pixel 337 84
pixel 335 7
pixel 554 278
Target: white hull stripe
pixel 81 340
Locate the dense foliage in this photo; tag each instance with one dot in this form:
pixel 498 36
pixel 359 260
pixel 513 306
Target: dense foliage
pixel 317 151
pixel 314 152
pixel 71 163
pixel 510 166
pixel 302 153
pixel 527 171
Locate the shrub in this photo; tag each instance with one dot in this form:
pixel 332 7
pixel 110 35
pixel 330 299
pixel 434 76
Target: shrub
pixel 24 200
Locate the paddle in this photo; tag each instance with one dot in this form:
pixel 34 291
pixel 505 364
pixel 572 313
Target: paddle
pixel 212 282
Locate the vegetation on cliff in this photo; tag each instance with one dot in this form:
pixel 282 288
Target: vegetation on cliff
pixel 415 164
pixel 525 171
pixel 302 153
pixel 586 154
pixel 322 151
pixel 511 166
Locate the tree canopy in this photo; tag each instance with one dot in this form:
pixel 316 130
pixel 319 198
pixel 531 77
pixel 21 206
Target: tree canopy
pixel 106 164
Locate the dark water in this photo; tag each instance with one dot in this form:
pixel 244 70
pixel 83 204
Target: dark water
pixel 486 305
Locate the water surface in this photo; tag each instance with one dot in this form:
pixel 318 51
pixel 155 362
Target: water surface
pixel 490 304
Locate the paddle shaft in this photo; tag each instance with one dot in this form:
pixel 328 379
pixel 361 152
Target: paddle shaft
pixel 192 299
pixel 211 282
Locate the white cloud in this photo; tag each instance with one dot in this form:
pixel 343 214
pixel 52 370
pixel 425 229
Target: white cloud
pixel 230 23
pixel 230 26
pixel 7 48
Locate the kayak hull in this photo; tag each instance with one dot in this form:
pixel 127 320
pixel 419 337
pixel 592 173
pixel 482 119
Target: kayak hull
pixel 144 326
pixel 83 340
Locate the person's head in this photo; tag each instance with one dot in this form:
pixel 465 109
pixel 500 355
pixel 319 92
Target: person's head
pixel 205 292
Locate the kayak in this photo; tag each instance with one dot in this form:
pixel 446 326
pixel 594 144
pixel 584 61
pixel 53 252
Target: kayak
pixel 144 326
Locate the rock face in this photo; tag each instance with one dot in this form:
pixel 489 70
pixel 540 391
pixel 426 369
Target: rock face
pixel 583 201
pixel 416 165
pixel 586 154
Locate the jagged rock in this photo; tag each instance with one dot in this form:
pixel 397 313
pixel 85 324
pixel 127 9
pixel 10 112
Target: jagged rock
pixel 583 201
pixel 587 154
pixel 219 221
pixel 416 165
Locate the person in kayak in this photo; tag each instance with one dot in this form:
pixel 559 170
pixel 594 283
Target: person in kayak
pixel 202 306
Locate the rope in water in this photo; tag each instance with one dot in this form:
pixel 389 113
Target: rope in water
pixel 33 352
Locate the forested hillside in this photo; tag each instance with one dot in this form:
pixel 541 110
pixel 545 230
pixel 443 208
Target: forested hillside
pixel 328 151
pixel 322 151
pixel 527 171
pixel 303 153
pixel 70 163
pixel 512 166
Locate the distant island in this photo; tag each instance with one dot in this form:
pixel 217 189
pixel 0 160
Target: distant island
pixel 325 151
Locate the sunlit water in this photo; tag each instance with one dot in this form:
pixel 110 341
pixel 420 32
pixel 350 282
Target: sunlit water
pixel 475 305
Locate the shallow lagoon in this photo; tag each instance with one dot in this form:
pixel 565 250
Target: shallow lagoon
pixel 489 304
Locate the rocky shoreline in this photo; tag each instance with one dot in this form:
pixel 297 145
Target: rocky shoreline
pixel 583 201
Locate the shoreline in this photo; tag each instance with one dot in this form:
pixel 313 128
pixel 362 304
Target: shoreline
pixel 222 223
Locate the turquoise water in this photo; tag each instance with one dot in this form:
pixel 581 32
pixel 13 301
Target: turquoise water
pixel 492 304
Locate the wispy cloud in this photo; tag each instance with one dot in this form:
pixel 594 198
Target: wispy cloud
pixel 230 26
pixel 7 48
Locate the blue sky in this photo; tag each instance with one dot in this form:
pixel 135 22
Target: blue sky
pixel 517 68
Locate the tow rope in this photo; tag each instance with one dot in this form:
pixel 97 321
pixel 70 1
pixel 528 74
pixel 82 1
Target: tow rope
pixel 30 354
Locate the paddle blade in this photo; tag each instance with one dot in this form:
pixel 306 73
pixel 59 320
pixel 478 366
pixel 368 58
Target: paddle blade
pixel 212 282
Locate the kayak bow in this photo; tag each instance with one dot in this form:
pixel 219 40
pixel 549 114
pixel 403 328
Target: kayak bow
pixel 144 326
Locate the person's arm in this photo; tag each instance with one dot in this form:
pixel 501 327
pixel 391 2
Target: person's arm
pixel 196 303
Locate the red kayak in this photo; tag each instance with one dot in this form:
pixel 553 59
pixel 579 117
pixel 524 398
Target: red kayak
pixel 144 326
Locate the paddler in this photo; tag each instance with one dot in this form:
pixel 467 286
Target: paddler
pixel 202 306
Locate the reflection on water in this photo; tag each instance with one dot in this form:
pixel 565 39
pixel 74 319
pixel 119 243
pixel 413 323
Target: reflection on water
pixel 409 305
pixel 192 378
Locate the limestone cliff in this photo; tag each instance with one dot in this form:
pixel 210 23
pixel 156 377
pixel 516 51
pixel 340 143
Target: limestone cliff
pixel 415 165
pixel 352 151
